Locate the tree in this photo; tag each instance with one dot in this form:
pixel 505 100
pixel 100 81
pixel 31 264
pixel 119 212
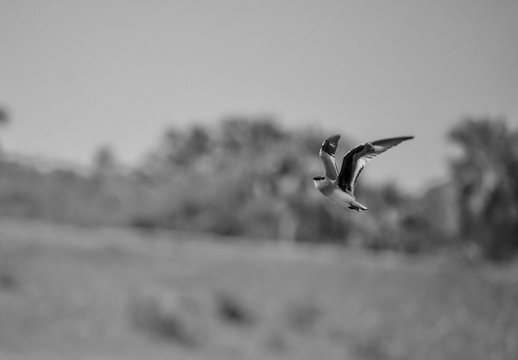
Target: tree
pixel 104 160
pixel 4 117
pixel 250 134
pixel 4 120
pixel 486 179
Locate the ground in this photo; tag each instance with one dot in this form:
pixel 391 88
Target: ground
pixel 90 293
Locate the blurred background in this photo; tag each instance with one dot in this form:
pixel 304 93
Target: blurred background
pixel 156 194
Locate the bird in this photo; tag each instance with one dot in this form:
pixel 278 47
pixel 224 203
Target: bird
pixel 339 187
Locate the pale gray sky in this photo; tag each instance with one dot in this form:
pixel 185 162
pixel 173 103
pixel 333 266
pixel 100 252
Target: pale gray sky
pixel 77 74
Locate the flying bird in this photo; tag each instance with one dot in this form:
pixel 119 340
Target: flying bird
pixel 339 187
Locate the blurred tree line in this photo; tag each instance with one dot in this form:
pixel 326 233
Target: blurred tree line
pixel 485 177
pixel 250 177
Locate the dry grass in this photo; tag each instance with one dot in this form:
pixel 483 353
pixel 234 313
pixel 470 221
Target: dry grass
pixel 113 294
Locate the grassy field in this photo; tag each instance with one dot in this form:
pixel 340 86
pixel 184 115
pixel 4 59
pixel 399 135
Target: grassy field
pixel 80 293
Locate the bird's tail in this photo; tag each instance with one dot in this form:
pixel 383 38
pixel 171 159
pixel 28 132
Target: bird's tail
pixel 355 205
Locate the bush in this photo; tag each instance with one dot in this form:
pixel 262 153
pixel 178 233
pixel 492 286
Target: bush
pixel 170 316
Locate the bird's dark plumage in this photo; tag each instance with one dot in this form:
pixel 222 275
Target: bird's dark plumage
pixel 356 158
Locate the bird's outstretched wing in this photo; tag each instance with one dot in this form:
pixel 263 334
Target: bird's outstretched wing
pixel 327 154
pixel 356 159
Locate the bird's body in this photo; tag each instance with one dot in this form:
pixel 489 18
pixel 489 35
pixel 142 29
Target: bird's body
pixel 336 195
pixel 339 187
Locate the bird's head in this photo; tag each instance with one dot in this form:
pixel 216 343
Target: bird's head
pixel 319 181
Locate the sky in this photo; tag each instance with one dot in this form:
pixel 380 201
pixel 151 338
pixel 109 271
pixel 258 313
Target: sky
pixel 75 75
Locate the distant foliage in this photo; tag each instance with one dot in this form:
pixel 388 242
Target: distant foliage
pixel 104 160
pixel 5 119
pixel 4 116
pixel 64 195
pixel 242 177
pixel 486 178
pixel 250 177
pixel 232 310
pixel 170 317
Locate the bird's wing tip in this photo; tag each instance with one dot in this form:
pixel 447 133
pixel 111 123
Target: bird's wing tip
pixel 330 144
pixel 404 138
pixel 334 137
